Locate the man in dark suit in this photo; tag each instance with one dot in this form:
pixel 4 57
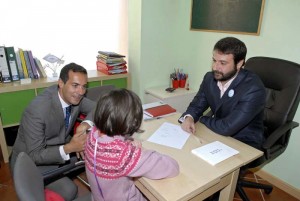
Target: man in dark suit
pixel 235 96
pixel 44 132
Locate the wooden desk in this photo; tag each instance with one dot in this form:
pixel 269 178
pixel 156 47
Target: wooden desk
pixel 197 179
pixel 14 98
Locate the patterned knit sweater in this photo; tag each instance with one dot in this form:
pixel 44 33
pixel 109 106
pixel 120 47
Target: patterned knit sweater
pixel 117 163
pixel 114 159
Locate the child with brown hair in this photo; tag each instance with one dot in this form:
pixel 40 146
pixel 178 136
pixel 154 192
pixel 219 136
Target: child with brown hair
pixel 112 158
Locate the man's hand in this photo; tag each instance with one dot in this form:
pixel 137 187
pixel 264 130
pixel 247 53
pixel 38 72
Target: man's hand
pixel 188 125
pixel 76 144
pixel 80 155
pixel 82 128
pixel 79 138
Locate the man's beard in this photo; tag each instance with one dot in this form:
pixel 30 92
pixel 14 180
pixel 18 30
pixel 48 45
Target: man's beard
pixel 224 77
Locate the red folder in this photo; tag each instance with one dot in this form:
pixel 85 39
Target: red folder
pixel 110 67
pixel 160 110
pixel 111 70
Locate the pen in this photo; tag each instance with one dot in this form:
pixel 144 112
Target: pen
pixel 153 118
pixel 197 138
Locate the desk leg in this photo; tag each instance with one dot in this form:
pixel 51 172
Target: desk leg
pixel 3 143
pixel 227 193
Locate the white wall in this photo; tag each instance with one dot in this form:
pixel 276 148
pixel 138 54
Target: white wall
pixel 165 42
pixel 74 29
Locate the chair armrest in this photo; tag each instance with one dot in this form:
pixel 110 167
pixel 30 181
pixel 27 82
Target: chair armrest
pixel 278 133
pixel 60 171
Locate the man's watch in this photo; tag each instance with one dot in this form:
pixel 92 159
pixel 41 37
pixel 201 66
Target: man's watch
pixel 181 120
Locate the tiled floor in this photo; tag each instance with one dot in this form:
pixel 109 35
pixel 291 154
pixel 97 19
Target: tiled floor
pixel 7 191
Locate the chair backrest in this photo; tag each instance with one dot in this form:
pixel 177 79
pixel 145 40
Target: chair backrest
pixel 282 81
pixel 28 180
pixel 94 93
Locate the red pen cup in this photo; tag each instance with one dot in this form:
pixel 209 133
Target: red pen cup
pixel 182 83
pixel 175 84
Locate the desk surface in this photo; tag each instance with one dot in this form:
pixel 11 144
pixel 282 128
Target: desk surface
pixel 196 176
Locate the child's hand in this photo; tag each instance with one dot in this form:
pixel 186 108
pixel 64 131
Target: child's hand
pixel 137 143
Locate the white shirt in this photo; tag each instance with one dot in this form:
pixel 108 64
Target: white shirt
pixel 61 148
pixel 224 87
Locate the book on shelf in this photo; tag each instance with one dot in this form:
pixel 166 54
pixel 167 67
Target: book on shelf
pixel 28 65
pixel 112 64
pixel 4 67
pixel 106 54
pixel 111 60
pixel 23 62
pixel 160 110
pixel 32 64
pixel 110 67
pixel 19 64
pixel 12 63
pixel 214 152
pixel 124 68
pixel 112 72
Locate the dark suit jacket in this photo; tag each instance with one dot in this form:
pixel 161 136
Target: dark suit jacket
pixel 239 113
pixel 42 128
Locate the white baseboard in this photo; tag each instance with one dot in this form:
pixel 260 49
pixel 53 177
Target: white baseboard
pixel 277 182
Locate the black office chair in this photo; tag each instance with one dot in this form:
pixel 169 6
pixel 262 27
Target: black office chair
pixel 282 81
pixel 29 183
pixel 73 167
pixel 94 93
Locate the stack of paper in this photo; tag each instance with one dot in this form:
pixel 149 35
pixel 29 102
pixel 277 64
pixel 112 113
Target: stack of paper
pixel 214 152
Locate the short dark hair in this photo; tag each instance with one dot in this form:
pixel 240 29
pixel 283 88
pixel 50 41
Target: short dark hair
pixel 64 73
pixel 119 112
pixel 234 46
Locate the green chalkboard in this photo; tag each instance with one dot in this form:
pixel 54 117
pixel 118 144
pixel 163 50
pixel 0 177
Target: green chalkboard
pixel 234 16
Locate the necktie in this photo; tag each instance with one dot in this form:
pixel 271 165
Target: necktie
pixel 67 118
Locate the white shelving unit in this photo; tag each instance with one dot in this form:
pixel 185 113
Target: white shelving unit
pixel 179 98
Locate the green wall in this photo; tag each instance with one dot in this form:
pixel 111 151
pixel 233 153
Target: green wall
pixel 160 40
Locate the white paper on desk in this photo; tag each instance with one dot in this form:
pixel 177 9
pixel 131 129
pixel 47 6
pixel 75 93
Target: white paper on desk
pixel 214 152
pixel 170 135
pixel 154 104
pixel 147 117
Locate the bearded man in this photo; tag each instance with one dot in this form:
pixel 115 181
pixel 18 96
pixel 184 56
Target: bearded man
pixel 235 96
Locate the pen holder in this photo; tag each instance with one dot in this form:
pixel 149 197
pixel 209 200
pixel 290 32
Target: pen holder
pixel 182 83
pixel 175 84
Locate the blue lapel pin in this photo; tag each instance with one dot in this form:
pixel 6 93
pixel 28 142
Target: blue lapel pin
pixel 230 93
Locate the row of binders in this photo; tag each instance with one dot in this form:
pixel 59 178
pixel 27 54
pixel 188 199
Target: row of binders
pixel 111 63
pixel 19 65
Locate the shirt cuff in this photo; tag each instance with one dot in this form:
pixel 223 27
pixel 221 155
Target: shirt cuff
pixel 181 119
pixel 89 123
pixel 63 154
